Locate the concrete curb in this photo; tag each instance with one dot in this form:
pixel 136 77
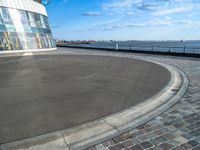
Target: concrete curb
pixel 94 132
pixel 26 51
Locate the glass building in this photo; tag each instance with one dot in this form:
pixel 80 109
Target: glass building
pixel 24 26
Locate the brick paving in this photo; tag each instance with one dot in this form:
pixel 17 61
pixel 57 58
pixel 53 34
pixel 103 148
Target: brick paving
pixel 176 129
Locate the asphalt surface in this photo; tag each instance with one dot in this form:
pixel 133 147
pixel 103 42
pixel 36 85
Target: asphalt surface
pixel 42 94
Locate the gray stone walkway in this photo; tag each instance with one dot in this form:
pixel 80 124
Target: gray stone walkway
pixel 178 128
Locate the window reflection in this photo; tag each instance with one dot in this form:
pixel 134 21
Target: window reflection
pixel 24 30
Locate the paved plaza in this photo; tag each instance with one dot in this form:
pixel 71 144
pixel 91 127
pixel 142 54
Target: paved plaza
pixel 43 94
pixel 177 128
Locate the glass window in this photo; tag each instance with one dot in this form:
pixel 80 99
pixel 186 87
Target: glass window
pixel 24 30
pixel 6 16
pixel 31 19
pixel 38 21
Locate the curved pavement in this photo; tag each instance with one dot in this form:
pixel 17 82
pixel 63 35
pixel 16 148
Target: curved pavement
pixel 42 94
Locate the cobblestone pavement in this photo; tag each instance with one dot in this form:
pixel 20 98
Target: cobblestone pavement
pixel 178 128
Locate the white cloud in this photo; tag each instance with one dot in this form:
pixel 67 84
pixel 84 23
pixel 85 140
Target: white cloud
pixel 156 7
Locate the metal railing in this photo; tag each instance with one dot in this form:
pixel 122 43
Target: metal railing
pixel 158 49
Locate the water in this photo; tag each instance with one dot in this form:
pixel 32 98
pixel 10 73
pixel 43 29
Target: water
pixel 157 46
pixel 174 46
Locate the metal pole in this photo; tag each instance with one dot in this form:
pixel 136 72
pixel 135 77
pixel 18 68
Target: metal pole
pixel 117 47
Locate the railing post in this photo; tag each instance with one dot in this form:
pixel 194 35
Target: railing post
pixel 117 47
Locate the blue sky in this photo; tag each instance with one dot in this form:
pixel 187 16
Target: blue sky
pixel 125 19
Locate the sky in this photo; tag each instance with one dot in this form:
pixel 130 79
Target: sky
pixel 125 19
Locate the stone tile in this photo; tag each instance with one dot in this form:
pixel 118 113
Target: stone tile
pixel 161 139
pixel 173 143
pixel 179 148
pixel 127 148
pixel 152 135
pixel 127 144
pixel 116 147
pixel 91 148
pixel 158 132
pixel 133 131
pixel 196 148
pixel 143 138
pixel 126 136
pixel 197 139
pixel 187 146
pixel 99 147
pixel 180 139
pixel 194 133
pixel 135 141
pixel 188 136
pixel 193 143
pixel 166 146
pixel 146 145
pixel 154 142
pixel 118 139
pixel 108 143
pixel 136 147
pixel 156 148
pixel 169 136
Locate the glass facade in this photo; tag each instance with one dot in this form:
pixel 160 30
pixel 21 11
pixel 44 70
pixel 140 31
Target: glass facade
pixel 22 30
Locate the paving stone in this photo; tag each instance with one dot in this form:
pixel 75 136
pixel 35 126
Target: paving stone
pixel 179 148
pixel 187 146
pixel 116 147
pixel 143 137
pixel 156 148
pixel 167 123
pixel 127 143
pixel 135 141
pixel 91 148
pixel 196 148
pixel 169 136
pixel 118 139
pixel 166 146
pixel 194 133
pixel 180 139
pixel 188 136
pixel 161 139
pixel 127 148
pixel 136 134
pixel 154 142
pixel 173 143
pixel 126 136
pixel 108 143
pixel 136 147
pixel 197 139
pixel 99 147
pixel 146 145
pixel 133 131
pixel 183 129
pixel 193 143
pixel 152 135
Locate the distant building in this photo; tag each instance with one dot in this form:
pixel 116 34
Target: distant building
pixel 24 26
